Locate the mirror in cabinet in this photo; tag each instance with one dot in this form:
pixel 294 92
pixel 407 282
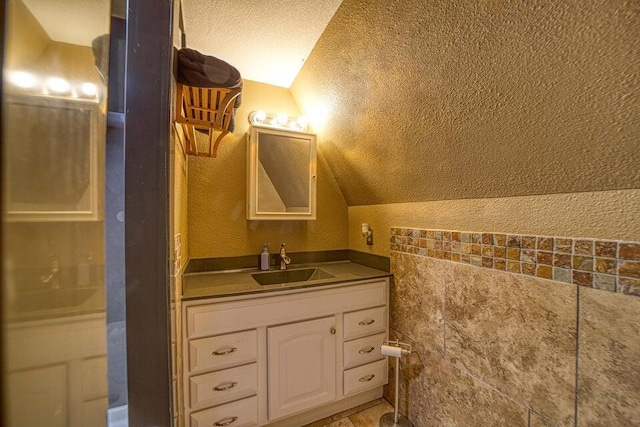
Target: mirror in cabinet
pixel 281 175
pixel 53 149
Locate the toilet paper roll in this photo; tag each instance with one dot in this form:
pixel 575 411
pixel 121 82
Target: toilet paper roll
pixel 389 350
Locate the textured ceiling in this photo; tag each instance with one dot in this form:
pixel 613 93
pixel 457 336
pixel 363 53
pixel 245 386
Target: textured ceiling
pixel 267 40
pixel 432 100
pixel 72 21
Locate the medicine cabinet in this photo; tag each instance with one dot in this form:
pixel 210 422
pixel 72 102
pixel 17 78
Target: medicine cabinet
pixel 53 158
pixel 281 175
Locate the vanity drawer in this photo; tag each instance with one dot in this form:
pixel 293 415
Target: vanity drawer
pixel 364 377
pixel 241 413
pixel 363 350
pixel 365 322
pixel 223 386
pixel 223 351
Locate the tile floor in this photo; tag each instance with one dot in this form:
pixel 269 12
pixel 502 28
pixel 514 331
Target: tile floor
pixel 366 415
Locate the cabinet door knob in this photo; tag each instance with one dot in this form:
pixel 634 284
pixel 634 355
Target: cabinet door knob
pixel 366 350
pixel 333 331
pixel 366 322
pixel 226 387
pixel 367 378
pixel 223 352
pixel 226 422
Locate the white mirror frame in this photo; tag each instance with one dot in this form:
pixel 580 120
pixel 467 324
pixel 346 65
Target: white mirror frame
pixel 253 138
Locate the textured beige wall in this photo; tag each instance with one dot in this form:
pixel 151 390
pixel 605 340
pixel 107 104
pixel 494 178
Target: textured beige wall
pixel 26 39
pixel 604 215
pixel 217 202
pixel 438 100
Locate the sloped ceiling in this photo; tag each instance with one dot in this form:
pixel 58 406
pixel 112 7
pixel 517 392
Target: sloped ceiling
pixel 266 40
pixel 432 100
pixel 72 21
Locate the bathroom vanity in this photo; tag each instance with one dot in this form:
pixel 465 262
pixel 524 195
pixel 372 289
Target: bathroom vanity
pixel 283 354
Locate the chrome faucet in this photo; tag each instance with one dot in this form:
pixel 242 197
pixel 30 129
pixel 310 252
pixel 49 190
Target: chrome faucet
pixel 284 259
pixel 53 279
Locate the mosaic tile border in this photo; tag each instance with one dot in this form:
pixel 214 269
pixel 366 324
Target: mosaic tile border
pixel 609 265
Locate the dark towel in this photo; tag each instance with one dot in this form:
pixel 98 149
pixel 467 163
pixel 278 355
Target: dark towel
pixel 196 69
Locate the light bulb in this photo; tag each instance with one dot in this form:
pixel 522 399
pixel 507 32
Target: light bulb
pixel 58 85
pixel 302 122
pixel 283 119
pixel 23 79
pixel 89 89
pixel 260 115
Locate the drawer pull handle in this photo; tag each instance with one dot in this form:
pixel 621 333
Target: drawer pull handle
pixel 224 422
pixel 366 322
pixel 224 352
pixel 225 388
pixel 367 378
pixel 366 350
pixel 333 331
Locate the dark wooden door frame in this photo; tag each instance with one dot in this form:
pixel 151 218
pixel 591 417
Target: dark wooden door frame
pixel 147 134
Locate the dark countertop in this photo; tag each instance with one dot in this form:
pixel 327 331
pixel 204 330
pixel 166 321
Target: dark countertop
pixel 240 282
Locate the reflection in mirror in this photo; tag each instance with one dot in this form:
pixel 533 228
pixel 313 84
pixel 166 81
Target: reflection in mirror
pixel 282 174
pixel 53 142
pixel 287 185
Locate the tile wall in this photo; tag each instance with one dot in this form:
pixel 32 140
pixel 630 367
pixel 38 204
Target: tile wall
pixel 516 330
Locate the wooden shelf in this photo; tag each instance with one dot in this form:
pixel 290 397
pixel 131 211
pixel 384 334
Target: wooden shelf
pixel 206 109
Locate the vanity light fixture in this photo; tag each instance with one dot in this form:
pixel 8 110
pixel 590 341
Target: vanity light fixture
pixel 58 85
pixel 23 79
pixel 278 121
pixel 55 86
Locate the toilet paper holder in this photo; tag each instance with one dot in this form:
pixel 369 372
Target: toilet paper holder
pixel 404 347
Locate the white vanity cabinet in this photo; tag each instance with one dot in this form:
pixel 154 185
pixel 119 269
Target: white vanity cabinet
pixel 284 358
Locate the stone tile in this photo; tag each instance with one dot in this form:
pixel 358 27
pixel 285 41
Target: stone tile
pixel 583 263
pixel 629 269
pixel 487 262
pixel 487 239
pixel 528 242
pixel 500 252
pixel 583 247
pixel 500 239
pixel 516 333
pixel 562 274
pixel 433 392
pixel 513 266
pixel 320 423
pixel 608 359
pixel 358 408
pixel 582 278
pixel 545 258
pixel 514 241
pixel 528 255
pixel 629 286
pixel 544 271
pixel 370 416
pixel 605 265
pixel 605 282
pixel 513 253
pixel 528 269
pixel 487 251
pixel 562 245
pixel 606 249
pixel 499 264
pixel 417 298
pixel 544 243
pixel 562 260
pixel 629 251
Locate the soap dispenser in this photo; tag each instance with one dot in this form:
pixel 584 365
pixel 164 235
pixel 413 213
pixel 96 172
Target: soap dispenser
pixel 264 258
